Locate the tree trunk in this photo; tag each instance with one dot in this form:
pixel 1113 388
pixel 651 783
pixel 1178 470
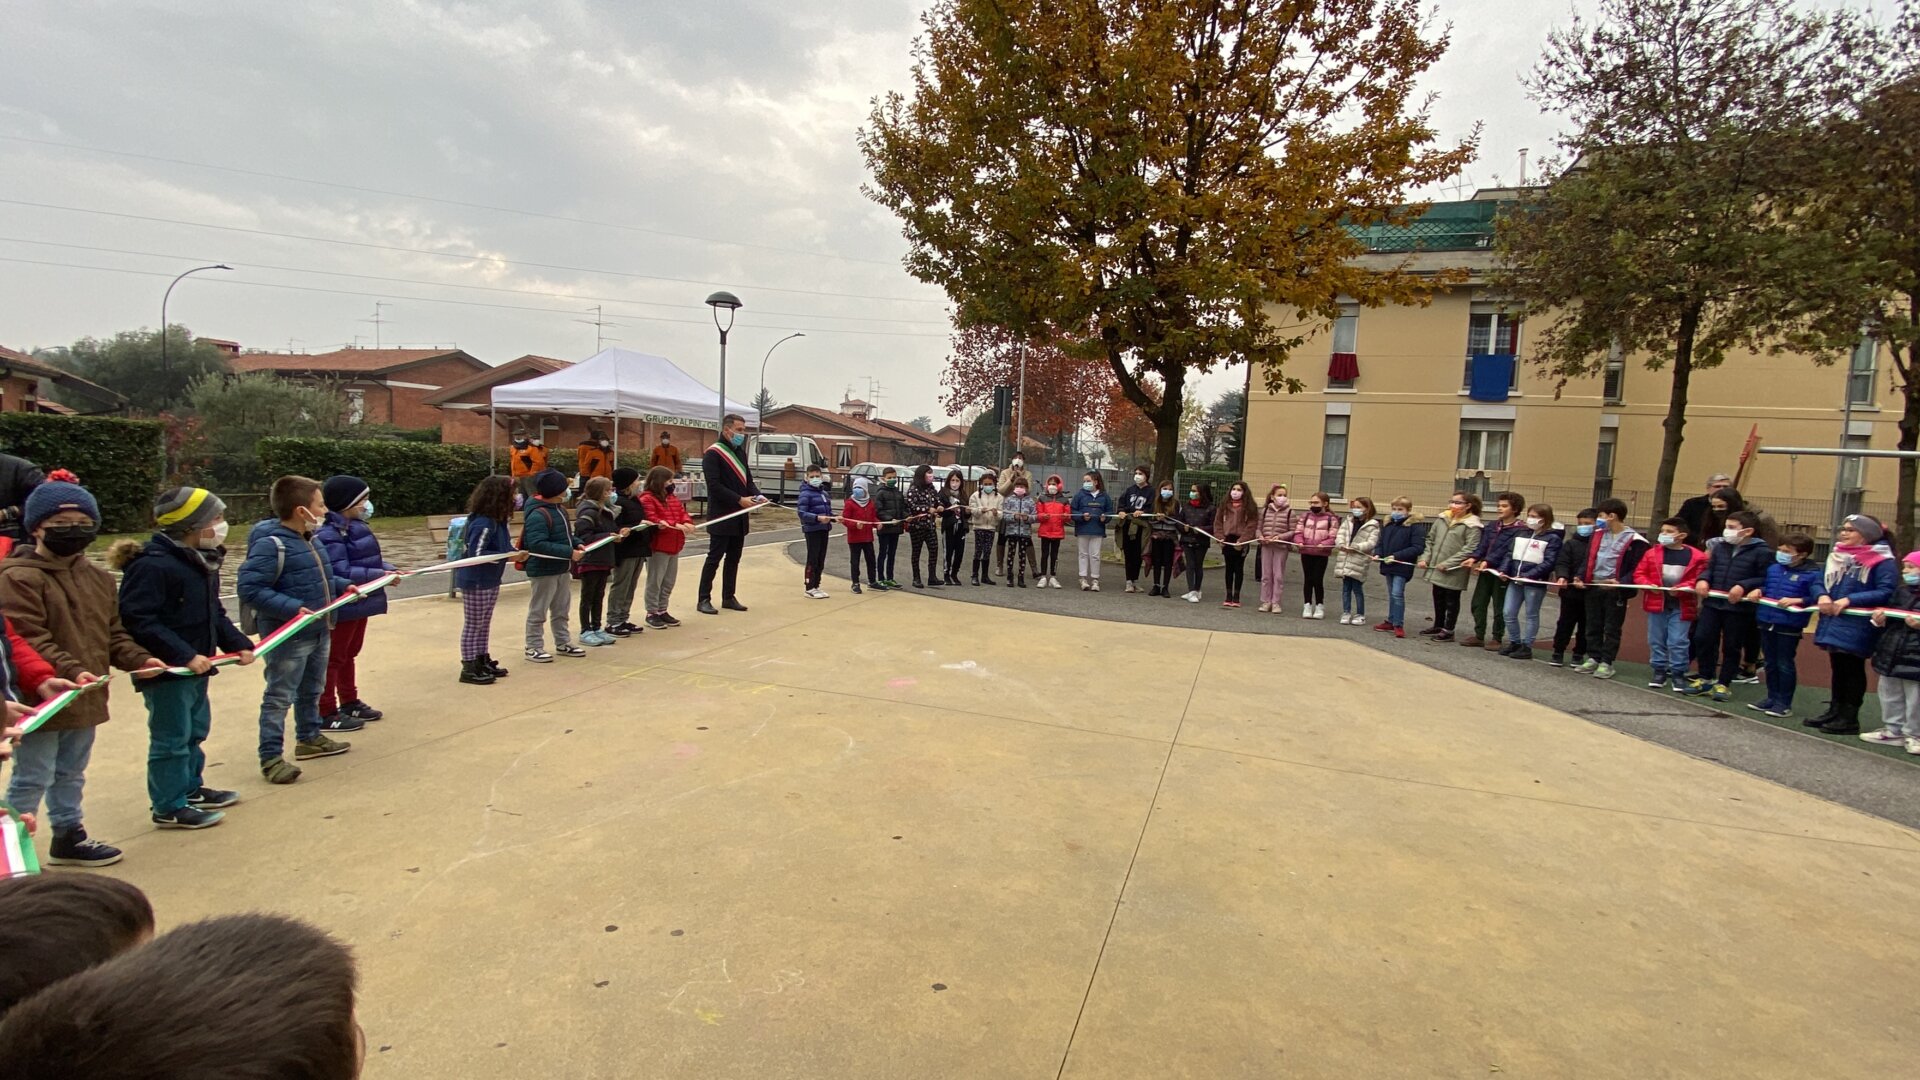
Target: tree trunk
pixel 1904 492
pixel 1166 423
pixel 1676 421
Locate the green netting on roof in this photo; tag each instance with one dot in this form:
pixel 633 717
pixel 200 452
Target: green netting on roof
pixel 1452 226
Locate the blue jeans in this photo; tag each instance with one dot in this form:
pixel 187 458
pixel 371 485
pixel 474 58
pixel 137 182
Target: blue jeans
pixel 51 764
pixel 178 719
pixel 1668 639
pixel 296 673
pixel 1525 597
pixel 1353 595
pixel 1397 600
pixel 1781 647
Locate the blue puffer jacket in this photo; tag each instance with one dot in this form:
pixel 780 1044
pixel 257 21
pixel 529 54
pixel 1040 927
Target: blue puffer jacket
pixel 170 604
pixel 814 505
pixel 305 581
pixel 1402 541
pixel 1787 583
pixel 355 554
pixel 1862 588
pixel 1090 510
pixel 482 536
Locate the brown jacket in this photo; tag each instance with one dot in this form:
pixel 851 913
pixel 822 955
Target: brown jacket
pixel 69 611
pixel 666 455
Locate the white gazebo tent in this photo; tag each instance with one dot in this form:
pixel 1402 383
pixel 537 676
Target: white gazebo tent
pixel 620 383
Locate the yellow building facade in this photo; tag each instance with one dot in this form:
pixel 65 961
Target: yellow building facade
pixel 1406 425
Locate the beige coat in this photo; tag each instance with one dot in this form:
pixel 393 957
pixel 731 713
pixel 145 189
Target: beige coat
pixel 1450 543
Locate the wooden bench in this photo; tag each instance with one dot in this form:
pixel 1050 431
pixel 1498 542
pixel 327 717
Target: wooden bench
pixel 440 526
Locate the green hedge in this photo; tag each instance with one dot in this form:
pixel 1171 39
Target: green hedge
pixel 406 477
pixel 1219 479
pixel 122 462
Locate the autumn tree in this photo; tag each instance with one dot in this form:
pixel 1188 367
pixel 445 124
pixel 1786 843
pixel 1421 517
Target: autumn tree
pixel 1672 231
pixel 1868 220
pixel 1169 186
pixel 1126 430
pixel 1065 388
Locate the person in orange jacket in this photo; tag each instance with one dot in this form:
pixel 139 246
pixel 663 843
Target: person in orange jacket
pixel 594 457
pixel 1671 564
pixel 526 460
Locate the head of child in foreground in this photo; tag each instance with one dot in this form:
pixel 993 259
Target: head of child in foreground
pixel 195 517
pixel 62 517
pixel 1794 549
pixel 816 478
pixel 238 996
pixel 597 489
pixel 1612 513
pixel 492 499
pixel 659 478
pixel 297 503
pixel 57 925
pixel 1673 532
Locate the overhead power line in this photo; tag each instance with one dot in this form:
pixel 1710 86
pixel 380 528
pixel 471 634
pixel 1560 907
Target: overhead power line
pixel 570 312
pixel 463 257
pixel 262 174
pixel 450 284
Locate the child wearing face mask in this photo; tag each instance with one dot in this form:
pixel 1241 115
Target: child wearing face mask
pixel 1195 515
pixel 1860 573
pixel 1569 576
pixel 170 605
pixel 1449 551
pixel 595 520
pixel 1527 562
pixel 1737 562
pixel 1018 512
pixel 629 554
pixel 1896 658
pixel 816 523
pixel 1793 580
pixel 1402 540
pixel 1134 512
pixel 354 551
pixel 1091 507
pixel 1054 511
pixel 1316 535
pixel 891 504
pixel 1164 533
pixel 1235 523
pixel 860 517
pixel 984 510
pixel 284 574
pixel 1278 525
pixel 1674 565
pixel 953 524
pixel 1490 591
pixel 923 524
pixel 1353 559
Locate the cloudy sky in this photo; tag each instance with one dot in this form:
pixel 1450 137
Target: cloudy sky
pixel 634 155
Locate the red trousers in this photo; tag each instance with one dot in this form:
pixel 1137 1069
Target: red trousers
pixel 342 688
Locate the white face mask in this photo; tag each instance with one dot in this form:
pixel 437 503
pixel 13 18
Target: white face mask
pixel 366 510
pixel 1053 489
pixel 1140 478
pixel 1534 523
pixel 1731 534
pixel 219 537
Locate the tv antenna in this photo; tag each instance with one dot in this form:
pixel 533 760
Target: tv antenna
pixel 599 323
pixel 378 321
pixel 874 390
pixel 1462 185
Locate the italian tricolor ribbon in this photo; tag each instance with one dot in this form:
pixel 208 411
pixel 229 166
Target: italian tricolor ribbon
pixel 17 858
pixel 52 707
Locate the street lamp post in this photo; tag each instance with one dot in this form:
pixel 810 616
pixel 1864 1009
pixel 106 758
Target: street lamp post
pixel 763 366
pixel 164 365
pixel 723 301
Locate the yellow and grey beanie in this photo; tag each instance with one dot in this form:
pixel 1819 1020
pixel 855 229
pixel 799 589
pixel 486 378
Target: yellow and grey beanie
pixel 187 510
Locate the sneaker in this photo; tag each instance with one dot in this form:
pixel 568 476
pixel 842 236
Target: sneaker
pixel 1095 583
pixel 1384 627
pixel 655 621
pixel 1721 692
pixel 360 710
pixel 340 721
pixel 1559 660
pixel 1346 618
pixel 817 594
pixel 667 617
pixel 1054 582
pixel 1523 652
pixel 1913 746
pixel 1430 631
pixel 539 656
pixel 1306 611
pixel 1782 712
pixel 1747 676
pixel 1603 671
pixel 623 630
pixel 1883 737
pixel 319 746
pixel 1659 681
pixel 279 771
pixel 1399 631
pixel 1319 611
pixel 213 799
pixel 71 847
pixel 570 650
pixel 1697 687
pixel 1084 586
pixel 1193 598
pixel 1473 641
pixel 188 817
pixel 1585 667
pixel 1441 637
pixel 856 588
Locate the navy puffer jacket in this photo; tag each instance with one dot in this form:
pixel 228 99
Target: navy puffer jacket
pixel 355 554
pixel 1897 656
pixel 306 580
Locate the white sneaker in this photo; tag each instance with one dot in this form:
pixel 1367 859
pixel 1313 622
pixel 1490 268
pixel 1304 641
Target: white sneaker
pixel 1131 587
pixel 1056 583
pixel 1264 608
pixel 1096 584
pixel 1084 586
pixel 1307 612
pixel 1913 746
pixel 1883 737
pixel 1193 598
pixel 1319 611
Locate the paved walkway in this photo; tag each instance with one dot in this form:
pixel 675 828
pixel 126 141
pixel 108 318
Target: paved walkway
pixel 889 836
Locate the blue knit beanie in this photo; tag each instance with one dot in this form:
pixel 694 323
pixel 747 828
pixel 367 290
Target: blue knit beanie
pixel 54 496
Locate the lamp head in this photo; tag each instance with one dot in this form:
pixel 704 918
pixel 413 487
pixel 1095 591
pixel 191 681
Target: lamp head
pixel 727 302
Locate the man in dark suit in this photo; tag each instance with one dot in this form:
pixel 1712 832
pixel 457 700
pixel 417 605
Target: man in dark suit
pixel 730 488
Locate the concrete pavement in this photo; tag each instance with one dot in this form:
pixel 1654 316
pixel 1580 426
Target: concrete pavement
pixel 890 836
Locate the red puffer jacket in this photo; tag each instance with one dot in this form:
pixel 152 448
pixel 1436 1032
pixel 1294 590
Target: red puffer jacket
pixel 666 541
pixel 860 520
pixel 1650 572
pixel 1052 513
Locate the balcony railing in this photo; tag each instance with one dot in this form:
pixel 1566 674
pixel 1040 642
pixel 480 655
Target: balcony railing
pixel 1459 226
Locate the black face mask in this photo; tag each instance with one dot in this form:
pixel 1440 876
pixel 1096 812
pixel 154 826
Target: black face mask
pixel 65 540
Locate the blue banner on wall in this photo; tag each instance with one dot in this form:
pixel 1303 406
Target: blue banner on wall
pixel 1492 377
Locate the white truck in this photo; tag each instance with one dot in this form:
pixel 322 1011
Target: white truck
pixel 767 458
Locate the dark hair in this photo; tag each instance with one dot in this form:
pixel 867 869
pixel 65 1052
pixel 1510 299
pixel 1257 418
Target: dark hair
pixel 1206 492
pixel 1513 499
pixel 658 478
pixel 1545 511
pixel 1733 499
pixel 1611 506
pixel 271 996
pixel 58 925
pixel 730 419
pixel 1799 542
pixel 1589 512
pixel 1747 519
pixel 923 476
pixel 290 493
pixel 1100 483
pixel 1372 511
pixel 492 498
pixel 1677 524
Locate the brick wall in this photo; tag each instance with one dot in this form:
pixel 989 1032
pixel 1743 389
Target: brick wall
pixel 409 405
pixel 14 392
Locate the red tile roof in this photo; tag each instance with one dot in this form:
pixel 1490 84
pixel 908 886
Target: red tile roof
pixel 357 361
pixel 866 429
pixel 524 367
pixel 39 369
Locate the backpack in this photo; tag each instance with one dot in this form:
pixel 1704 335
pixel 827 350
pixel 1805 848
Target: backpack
pixel 250 615
pixel 457 538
